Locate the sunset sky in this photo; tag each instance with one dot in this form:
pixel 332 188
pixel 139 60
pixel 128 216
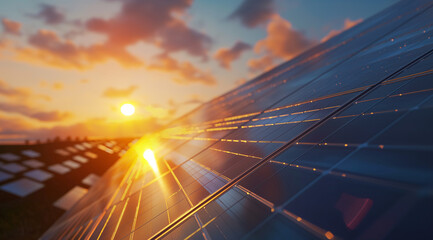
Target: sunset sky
pixel 66 66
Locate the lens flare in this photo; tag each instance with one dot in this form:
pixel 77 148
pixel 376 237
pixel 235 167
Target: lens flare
pixel 127 109
pixel 150 158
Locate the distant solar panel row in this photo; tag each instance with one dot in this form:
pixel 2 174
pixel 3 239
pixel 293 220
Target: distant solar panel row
pixel 335 143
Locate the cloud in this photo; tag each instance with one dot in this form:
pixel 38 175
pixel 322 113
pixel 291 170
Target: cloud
pixel 50 14
pixel 263 63
pixel 154 22
pixel 159 23
pixel 241 81
pixel 12 92
pixel 57 86
pixel 54 86
pixel 347 24
pixel 21 101
pixel 13 125
pixel 226 56
pixel 51 116
pixel 11 27
pixel 119 93
pixel 282 42
pixel 254 12
pixel 194 99
pixel 50 50
pixel 158 112
pixel 33 113
pixel 186 72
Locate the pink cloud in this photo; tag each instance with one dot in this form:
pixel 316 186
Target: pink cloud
pixel 282 42
pixel 119 93
pixel 11 27
pixel 226 56
pixel 185 72
pixel 347 24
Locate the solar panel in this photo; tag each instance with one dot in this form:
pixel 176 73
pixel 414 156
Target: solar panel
pixel 335 143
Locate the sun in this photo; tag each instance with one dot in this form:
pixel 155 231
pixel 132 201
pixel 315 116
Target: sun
pixel 127 109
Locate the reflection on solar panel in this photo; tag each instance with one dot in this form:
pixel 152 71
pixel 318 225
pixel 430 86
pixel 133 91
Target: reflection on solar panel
pixel 335 143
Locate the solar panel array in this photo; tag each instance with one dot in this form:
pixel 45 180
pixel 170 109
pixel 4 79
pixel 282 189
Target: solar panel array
pixel 39 182
pixel 336 143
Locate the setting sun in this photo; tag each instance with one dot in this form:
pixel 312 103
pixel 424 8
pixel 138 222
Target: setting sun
pixel 127 109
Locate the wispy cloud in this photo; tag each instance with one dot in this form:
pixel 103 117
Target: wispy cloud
pixel 119 93
pixel 21 101
pixel 11 27
pixel 33 113
pixel 185 72
pixel 225 56
pixel 347 24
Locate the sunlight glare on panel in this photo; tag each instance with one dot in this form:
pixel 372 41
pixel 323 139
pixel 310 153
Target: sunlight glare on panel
pixel 149 156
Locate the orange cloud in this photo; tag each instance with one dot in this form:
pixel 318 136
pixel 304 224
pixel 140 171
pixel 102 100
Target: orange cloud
pixel 13 125
pixel 226 56
pixel 254 12
pixel 261 64
pixel 283 42
pixel 194 99
pixel 54 86
pixel 11 27
pixel 33 113
pixel 119 93
pixel 154 22
pixel 12 92
pixel 20 101
pixel 240 81
pixel 57 86
pixel 50 50
pixel 186 72
pixel 347 24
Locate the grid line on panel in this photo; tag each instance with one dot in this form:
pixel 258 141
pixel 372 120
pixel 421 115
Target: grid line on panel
pixel 291 142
